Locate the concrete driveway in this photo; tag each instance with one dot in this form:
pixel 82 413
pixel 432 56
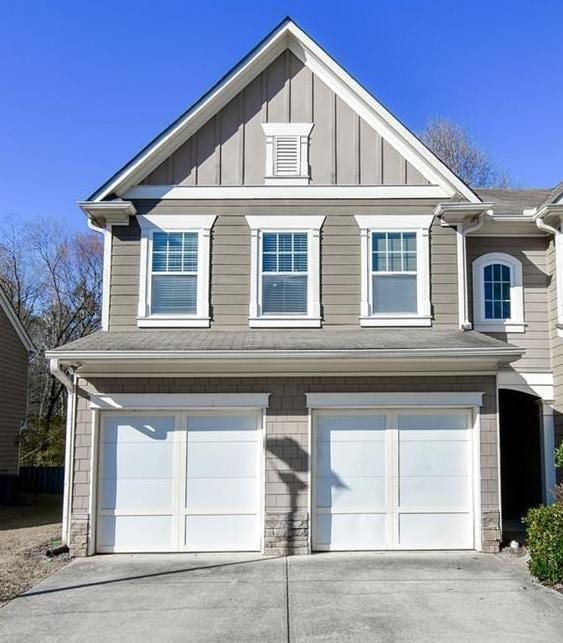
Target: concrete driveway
pixel 356 597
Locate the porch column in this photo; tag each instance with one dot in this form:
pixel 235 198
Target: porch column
pixel 548 447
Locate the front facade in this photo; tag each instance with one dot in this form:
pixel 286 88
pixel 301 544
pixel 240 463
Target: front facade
pixel 309 328
pixel 15 350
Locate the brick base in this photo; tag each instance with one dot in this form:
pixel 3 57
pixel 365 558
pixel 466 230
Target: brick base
pixel 286 534
pixel 490 532
pixel 78 537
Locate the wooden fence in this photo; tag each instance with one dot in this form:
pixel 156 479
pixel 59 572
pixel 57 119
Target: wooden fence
pixel 41 479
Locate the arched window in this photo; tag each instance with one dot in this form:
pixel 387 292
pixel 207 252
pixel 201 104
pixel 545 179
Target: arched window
pixel 498 297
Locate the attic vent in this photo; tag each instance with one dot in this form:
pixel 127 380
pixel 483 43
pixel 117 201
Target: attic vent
pixel 287 156
pixel 287 153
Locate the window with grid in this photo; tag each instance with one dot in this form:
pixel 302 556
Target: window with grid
pixel 284 273
pixel 174 273
pixel 394 272
pixel 497 281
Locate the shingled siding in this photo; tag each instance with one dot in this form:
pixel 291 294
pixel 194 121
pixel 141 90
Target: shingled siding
pixel 531 251
pixel 230 148
pixel 13 394
pixel 287 444
pixel 230 269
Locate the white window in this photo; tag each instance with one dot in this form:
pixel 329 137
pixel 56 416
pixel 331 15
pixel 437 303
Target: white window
pixel 287 153
pixel 395 270
pixel 174 279
pixel 285 288
pixel 498 296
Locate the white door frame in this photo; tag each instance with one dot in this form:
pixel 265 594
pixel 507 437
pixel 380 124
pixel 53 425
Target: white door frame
pixel 391 455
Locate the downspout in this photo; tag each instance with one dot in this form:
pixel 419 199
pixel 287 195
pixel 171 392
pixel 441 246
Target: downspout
pixel 69 442
pixel 462 231
pixel 558 242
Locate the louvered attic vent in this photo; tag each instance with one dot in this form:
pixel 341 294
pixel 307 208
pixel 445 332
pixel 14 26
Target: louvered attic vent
pixel 287 153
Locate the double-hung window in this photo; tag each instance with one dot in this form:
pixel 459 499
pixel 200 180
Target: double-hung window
pixel 395 284
pixel 498 296
pixel 285 273
pixel 174 279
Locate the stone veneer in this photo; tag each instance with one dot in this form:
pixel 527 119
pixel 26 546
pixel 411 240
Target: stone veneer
pixel 287 519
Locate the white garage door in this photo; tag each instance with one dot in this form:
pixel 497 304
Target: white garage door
pixel 179 482
pixel 393 480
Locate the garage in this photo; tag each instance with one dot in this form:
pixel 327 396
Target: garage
pixel 179 481
pixel 394 479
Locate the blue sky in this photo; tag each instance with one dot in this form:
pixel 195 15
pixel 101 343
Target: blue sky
pixel 86 84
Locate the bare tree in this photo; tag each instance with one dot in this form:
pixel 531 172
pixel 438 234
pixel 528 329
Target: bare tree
pixel 453 145
pixel 53 279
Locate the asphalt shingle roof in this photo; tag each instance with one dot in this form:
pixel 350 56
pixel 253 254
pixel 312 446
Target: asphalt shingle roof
pixel 514 201
pixel 283 340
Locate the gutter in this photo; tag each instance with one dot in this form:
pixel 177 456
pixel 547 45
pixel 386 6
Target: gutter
pixel 70 385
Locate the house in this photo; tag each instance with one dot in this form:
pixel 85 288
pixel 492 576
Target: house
pixel 315 335
pixel 15 349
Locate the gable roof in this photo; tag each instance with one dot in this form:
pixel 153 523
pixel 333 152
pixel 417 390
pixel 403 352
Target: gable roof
pixel 287 35
pixel 16 323
pixel 514 201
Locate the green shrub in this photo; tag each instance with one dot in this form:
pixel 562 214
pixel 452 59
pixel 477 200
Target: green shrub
pixel 559 456
pixel 545 542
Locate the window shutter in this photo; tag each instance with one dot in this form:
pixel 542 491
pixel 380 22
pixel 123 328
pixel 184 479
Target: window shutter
pixel 287 155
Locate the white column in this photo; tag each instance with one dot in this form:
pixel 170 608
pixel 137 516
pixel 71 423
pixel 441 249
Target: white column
pixel 548 448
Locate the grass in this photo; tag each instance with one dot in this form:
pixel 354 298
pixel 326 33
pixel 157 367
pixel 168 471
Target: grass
pixel 27 532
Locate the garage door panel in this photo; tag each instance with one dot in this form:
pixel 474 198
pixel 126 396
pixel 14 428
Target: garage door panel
pixel 347 493
pixel 445 492
pixel 126 494
pixel 142 429
pixel 132 460
pixel 435 530
pixel 419 422
pixel 222 533
pixel 221 460
pixel 222 495
pixel 351 458
pixel 236 428
pixel 345 428
pixel 437 458
pixel 136 533
pixel 350 531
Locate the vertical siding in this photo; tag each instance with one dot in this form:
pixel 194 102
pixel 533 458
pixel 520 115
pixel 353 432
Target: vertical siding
pixel 13 394
pixel 230 148
pixel 531 251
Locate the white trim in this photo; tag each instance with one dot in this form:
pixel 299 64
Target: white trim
pixel 160 401
pixel 16 323
pixel 266 192
pixel 106 278
pixel 516 323
pixel 332 74
pixel 387 400
pixel 200 224
pixel 418 223
pixel 300 132
pixel 287 129
pixel 273 223
pixel 540 384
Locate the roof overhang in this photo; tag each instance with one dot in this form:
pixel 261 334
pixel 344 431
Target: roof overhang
pixel 284 362
pixel 108 213
pixel 549 218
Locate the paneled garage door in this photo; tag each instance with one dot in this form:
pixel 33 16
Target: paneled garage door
pixel 179 482
pixel 393 480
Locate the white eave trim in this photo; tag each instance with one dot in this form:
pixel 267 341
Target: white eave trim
pixel 303 192
pixel 402 400
pixel 16 323
pixel 140 401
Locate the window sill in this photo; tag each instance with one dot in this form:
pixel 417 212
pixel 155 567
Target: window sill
pixel 284 322
pixel 500 327
pixel 173 322
pixel 396 321
pixel 286 180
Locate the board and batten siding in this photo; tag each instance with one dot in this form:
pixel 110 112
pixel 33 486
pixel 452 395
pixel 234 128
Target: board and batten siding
pixel 531 252
pixel 230 270
pixel 230 149
pixel 13 394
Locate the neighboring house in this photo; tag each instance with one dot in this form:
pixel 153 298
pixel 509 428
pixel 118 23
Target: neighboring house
pixel 287 361
pixel 15 349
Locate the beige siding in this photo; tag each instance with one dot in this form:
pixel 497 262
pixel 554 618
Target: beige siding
pixel 13 394
pixel 230 148
pixel 531 251
pixel 287 437
pixel 230 271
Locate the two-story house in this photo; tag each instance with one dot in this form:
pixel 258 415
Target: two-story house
pixel 15 350
pixel 315 335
